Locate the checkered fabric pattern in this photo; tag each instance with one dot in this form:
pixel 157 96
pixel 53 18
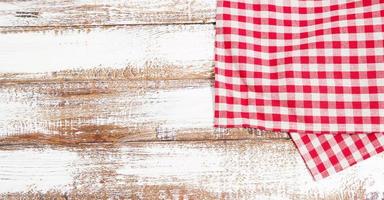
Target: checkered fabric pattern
pixel 327 154
pixel 300 66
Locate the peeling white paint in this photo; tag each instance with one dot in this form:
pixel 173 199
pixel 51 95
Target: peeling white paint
pixel 40 170
pixel 47 51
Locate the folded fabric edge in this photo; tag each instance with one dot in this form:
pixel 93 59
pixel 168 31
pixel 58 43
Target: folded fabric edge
pixel 328 154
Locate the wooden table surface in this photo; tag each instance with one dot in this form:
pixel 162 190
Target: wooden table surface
pixel 112 99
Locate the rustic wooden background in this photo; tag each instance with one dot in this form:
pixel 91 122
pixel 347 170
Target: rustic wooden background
pixel 113 99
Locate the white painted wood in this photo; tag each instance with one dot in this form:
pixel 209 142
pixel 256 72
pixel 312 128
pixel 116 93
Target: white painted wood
pixel 181 48
pixel 104 12
pixel 129 110
pixel 197 170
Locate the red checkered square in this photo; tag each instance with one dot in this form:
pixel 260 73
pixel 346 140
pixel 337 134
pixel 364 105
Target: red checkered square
pixel 303 67
pixel 300 66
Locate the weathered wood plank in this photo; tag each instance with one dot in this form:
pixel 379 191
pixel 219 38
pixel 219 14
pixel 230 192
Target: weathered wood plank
pixel 178 170
pixel 109 111
pixel 56 85
pixel 104 12
pixel 129 52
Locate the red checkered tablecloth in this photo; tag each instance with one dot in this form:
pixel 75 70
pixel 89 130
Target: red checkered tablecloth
pixel 312 68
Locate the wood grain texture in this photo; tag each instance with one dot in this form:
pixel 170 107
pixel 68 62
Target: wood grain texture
pixel 110 99
pixel 107 85
pixel 104 12
pixel 128 53
pixel 178 170
pixel 109 111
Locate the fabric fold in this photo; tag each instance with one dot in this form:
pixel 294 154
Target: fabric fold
pixel 327 154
